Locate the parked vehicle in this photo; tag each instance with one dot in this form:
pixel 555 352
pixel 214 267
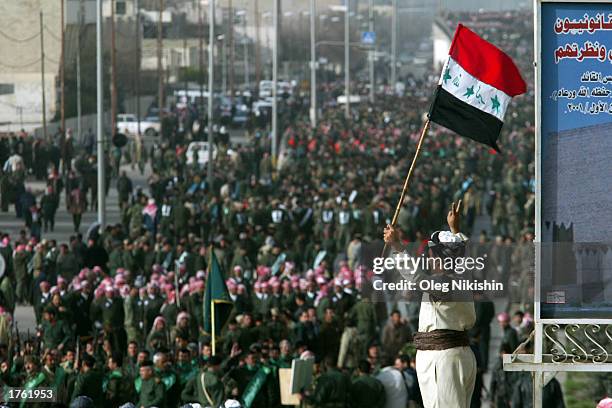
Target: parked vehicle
pixel 283 89
pixel 127 123
pixel 265 89
pixel 198 153
pixel 241 111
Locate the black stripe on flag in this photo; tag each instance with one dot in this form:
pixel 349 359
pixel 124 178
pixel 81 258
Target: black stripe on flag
pixel 464 119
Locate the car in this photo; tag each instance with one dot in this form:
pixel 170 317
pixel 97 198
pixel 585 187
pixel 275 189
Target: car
pixel 262 107
pixel 265 89
pixel 283 89
pixel 127 123
pixel 241 111
pixel 201 150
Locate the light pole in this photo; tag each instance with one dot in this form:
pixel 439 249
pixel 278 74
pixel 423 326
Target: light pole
pixel 137 63
pixel 243 14
pixel 100 113
pixel 160 67
pixel 230 47
pixel 394 46
pixel 274 81
pixel 371 53
pixel 78 72
pixel 113 78
pixel 211 47
pixel 221 37
pixel 313 65
pixel 347 63
pixel 42 76
pixel 201 60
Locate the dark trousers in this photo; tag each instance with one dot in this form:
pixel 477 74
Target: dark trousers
pixel 76 220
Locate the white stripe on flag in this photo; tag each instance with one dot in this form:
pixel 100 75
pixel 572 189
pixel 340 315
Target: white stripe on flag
pixel 463 86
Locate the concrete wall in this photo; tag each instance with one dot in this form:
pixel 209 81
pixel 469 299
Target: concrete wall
pixel 20 64
pixel 87 121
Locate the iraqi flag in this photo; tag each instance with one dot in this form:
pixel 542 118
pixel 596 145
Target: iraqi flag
pixel 477 82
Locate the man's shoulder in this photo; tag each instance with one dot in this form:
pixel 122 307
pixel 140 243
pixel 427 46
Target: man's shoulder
pixel 366 380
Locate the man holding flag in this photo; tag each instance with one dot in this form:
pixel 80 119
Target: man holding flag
pixel 208 387
pixel 217 302
pixel 476 86
pixel 253 377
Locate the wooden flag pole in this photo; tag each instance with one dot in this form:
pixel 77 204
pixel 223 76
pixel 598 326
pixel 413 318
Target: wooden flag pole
pixel 407 180
pixel 212 321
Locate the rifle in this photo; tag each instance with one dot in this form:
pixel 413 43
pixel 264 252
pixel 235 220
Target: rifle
pixel 18 342
pixel 16 348
pixel 78 354
pixel 177 289
pixel 38 345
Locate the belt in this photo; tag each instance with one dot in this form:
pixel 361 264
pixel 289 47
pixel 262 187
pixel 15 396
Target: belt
pixel 440 339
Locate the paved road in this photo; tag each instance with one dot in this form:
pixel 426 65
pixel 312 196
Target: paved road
pixel 63 220
pixel 24 315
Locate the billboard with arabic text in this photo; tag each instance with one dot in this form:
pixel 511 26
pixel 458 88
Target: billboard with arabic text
pixel 576 159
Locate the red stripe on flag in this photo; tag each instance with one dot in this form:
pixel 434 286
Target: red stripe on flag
pixel 486 62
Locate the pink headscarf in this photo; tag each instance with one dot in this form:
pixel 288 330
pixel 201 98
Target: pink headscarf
pixel 605 403
pixel 157 320
pixel 181 316
pixel 150 209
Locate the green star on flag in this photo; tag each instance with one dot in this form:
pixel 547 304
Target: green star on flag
pixel 446 76
pixel 495 103
pixel 469 91
pixel 474 88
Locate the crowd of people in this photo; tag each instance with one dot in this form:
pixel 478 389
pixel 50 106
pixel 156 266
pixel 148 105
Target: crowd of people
pixel 120 310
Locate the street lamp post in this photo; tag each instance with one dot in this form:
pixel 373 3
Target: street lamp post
pixel 371 53
pixel 243 14
pixel 78 71
pixel 100 113
pixel 275 82
pixel 313 65
pixel 347 62
pixel 394 46
pixel 211 47
pixel 221 38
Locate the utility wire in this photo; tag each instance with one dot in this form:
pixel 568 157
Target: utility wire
pixel 52 34
pixel 18 40
pixel 20 65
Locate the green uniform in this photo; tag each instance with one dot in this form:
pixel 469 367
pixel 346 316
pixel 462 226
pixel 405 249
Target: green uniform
pixel 8 293
pixel 181 217
pixel 133 315
pixel 367 392
pixel 364 313
pixel 151 393
pixel 206 388
pixel 90 384
pixel 185 372
pixel 256 384
pixel 115 260
pixel 67 265
pixel 112 313
pixel 20 265
pixel 171 388
pixel 118 388
pixel 55 333
pixel 32 382
pixel 331 390
pixel 136 220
